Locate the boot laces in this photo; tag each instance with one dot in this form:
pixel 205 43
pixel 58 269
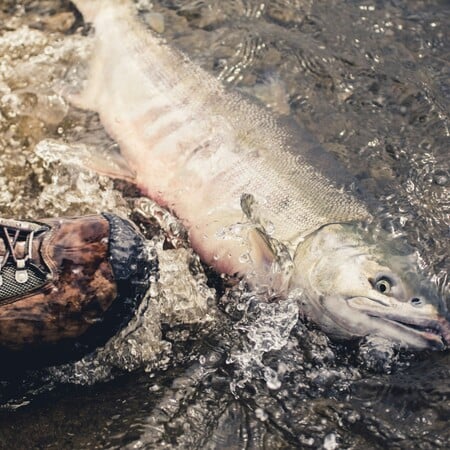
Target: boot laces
pixel 12 232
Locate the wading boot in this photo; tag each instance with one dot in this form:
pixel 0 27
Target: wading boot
pixel 66 286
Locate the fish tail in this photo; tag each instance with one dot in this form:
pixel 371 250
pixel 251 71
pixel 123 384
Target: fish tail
pixel 90 8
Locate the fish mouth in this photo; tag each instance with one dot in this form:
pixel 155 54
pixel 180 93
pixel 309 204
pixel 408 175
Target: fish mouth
pixel 430 332
pixel 433 330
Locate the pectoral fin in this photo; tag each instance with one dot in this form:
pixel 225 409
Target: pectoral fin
pixel 103 160
pixel 111 163
pixel 273 261
pixel 266 250
pixel 261 249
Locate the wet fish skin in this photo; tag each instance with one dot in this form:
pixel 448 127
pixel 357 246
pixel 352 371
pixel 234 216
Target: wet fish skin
pixel 246 186
pixel 206 143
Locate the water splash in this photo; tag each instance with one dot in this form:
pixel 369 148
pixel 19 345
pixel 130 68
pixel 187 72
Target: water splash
pixel 138 344
pixel 264 327
pixel 71 187
pixel 178 295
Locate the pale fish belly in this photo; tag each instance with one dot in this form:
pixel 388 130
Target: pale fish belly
pixel 197 149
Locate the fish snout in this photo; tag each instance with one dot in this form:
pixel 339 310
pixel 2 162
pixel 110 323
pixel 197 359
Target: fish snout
pixel 427 323
pixel 435 316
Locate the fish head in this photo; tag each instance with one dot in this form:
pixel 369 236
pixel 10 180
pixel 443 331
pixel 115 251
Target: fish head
pixel 356 285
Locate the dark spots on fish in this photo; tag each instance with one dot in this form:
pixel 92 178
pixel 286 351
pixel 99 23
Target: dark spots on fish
pixel 284 203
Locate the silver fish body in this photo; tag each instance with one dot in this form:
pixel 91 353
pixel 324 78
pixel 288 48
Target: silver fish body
pixel 246 186
pixel 207 146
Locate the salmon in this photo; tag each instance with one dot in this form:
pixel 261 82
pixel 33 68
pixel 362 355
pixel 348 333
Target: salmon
pixel 259 196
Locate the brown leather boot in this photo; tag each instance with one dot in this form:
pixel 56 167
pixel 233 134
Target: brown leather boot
pixel 67 285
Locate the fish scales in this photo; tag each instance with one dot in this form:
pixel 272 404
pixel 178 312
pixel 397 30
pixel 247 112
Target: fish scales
pixel 203 146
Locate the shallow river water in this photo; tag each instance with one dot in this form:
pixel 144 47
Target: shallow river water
pixel 371 80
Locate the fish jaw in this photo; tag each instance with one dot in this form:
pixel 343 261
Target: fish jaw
pixel 428 327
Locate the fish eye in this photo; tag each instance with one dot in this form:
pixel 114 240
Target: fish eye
pixel 383 285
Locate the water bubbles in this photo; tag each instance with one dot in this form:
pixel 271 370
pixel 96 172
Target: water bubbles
pixel 261 414
pixel 268 354
pixel 307 441
pixel 353 417
pixel 245 258
pixel 184 294
pixel 377 354
pixel 265 327
pixel 440 178
pixel 330 442
pixel 271 377
pixel 374 143
pixel 409 186
pixel 241 307
pixel 175 233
